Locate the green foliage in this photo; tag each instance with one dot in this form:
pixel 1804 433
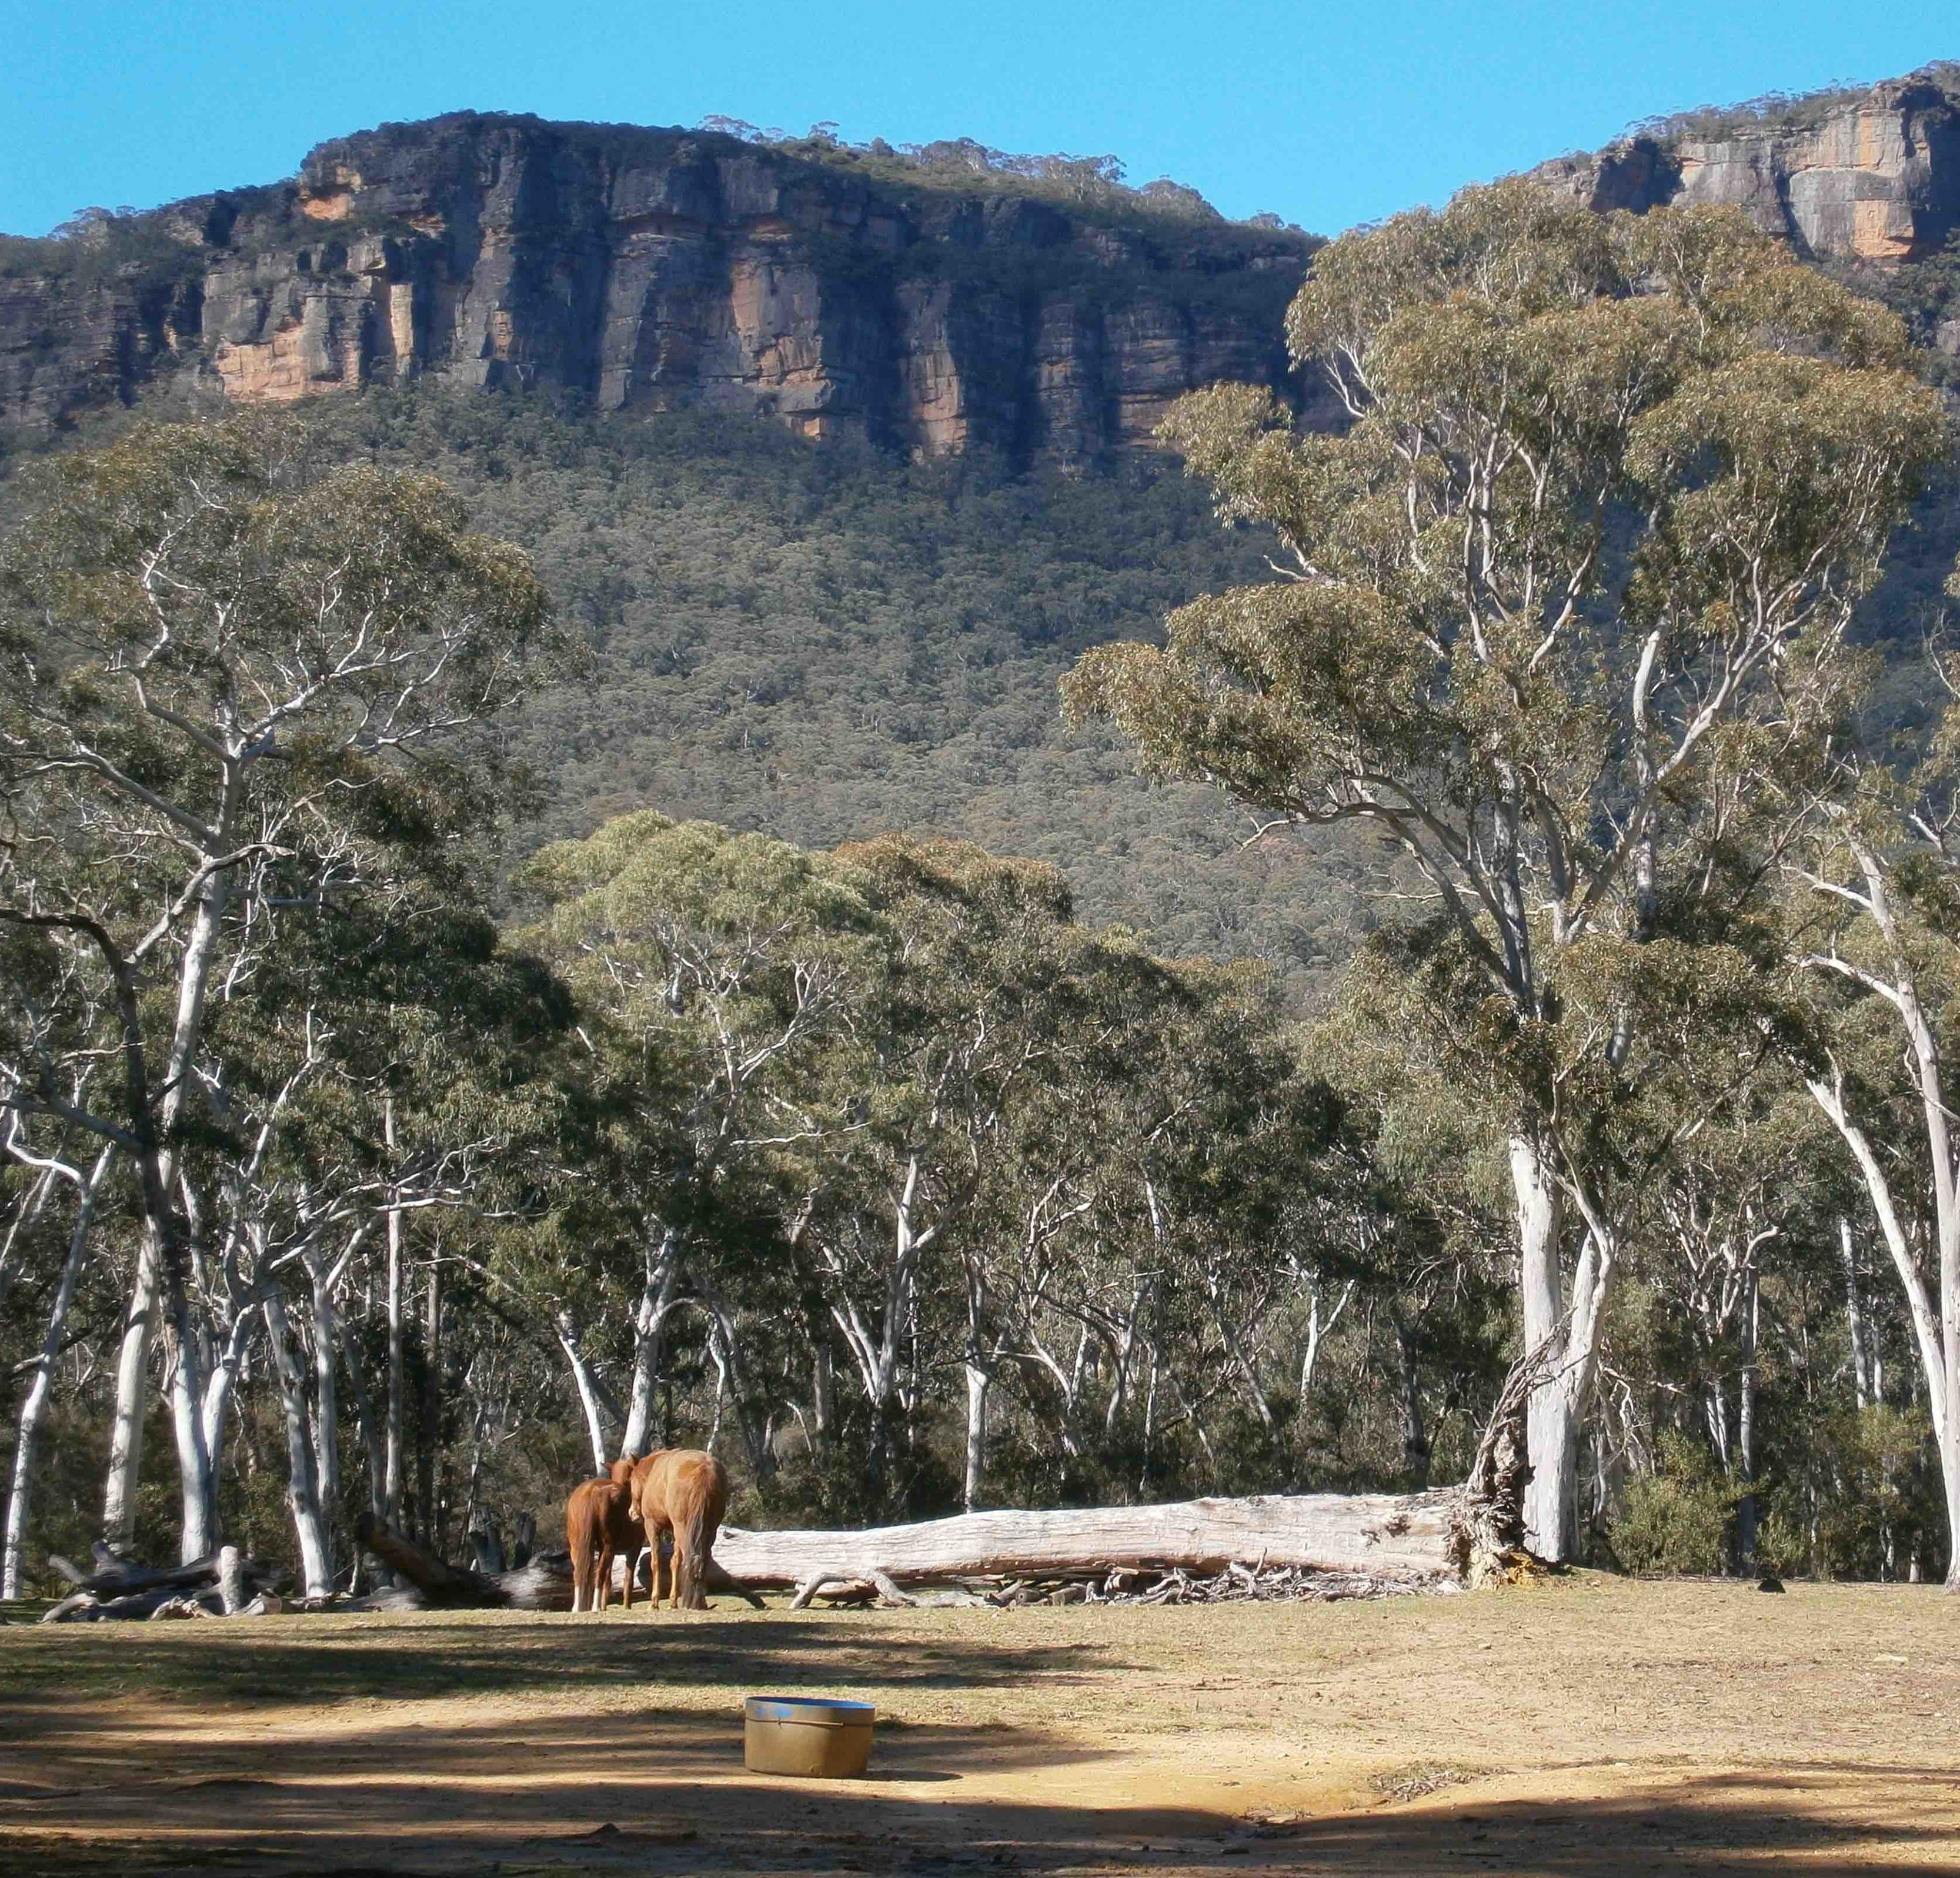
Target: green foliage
pixel 890 1109
pixel 962 166
pixel 1775 113
pixel 1674 1521
pixel 823 644
pixel 101 248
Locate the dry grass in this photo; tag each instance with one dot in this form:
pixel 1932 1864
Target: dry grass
pixel 1590 1725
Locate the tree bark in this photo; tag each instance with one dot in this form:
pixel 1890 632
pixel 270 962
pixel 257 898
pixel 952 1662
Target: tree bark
pixel 430 1430
pixel 588 1396
pixel 41 1390
pixel 1551 1426
pixel 196 1465
pixel 133 1384
pixel 1854 1315
pixel 303 1488
pixel 977 1381
pixel 325 1415
pixel 1400 1539
pixel 231 1580
pixel 391 1492
pixel 1745 1430
pixel 657 1292
pixel 1936 1332
pixel 158 1168
pixel 542 1584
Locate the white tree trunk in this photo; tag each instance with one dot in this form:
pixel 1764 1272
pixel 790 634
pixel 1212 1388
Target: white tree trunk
pixel 1745 1430
pixel 1551 1496
pixel 302 1488
pixel 1854 1316
pixel 433 1533
pixel 977 1381
pixel 197 1464
pixel 326 1393
pixel 196 1467
pixel 1402 1539
pixel 391 1501
pixel 218 1389
pixel 41 1390
pixel 1936 1333
pixel 588 1396
pixel 657 1292
pixel 132 1387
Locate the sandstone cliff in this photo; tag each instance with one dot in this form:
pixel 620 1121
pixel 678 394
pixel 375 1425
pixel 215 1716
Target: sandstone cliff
pixel 1870 177
pixel 657 269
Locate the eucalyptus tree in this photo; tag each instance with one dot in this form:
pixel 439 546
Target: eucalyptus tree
pixel 87 1184
pixel 1208 1142
pixel 1611 490
pixel 233 684
pixel 989 991
pixel 1877 939
pixel 1751 1191
pixel 721 974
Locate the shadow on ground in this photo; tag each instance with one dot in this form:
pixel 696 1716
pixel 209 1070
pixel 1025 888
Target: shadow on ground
pixel 433 1656
pixel 663 1792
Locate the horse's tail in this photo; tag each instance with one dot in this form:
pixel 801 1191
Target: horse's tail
pixel 694 1548
pixel 580 1536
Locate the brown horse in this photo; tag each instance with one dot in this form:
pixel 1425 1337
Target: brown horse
pixel 683 1491
pixel 598 1523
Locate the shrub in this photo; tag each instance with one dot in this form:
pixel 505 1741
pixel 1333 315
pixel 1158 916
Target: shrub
pixel 1674 1522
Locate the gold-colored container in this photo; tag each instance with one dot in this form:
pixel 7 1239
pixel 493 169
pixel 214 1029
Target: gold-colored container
pixel 808 1735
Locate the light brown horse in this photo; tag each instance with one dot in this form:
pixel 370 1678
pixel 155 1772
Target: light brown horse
pixel 684 1492
pixel 599 1522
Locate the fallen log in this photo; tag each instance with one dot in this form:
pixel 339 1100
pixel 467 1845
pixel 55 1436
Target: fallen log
pixel 115 1576
pixel 87 1607
pixel 439 1584
pixel 1402 1540
pixel 72 1609
pixel 543 1584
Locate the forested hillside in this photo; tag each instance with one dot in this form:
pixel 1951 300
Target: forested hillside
pixel 825 644
pixel 535 923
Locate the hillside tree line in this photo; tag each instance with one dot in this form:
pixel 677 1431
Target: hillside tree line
pixel 354 1161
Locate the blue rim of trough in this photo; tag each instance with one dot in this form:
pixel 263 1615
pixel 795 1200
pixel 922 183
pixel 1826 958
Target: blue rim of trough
pixel 817 1709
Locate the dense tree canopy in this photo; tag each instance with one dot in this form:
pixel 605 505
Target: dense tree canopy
pixel 419 1168
pixel 1566 606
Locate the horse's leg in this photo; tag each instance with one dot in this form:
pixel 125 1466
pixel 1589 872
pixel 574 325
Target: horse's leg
pixel 661 1575
pixel 635 1534
pixel 605 1573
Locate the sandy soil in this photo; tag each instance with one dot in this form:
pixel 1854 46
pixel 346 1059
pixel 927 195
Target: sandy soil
pixel 1590 1725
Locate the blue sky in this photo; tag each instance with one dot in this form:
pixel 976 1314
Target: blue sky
pixel 1330 114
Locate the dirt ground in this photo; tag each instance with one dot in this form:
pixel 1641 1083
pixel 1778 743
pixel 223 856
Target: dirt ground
pixel 1590 1725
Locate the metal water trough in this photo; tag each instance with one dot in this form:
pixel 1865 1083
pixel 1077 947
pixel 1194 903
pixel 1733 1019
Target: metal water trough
pixel 812 1736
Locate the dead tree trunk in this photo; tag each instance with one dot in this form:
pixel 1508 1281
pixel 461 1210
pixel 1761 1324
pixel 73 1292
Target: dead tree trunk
pixel 1489 1539
pixel 1402 1539
pixel 542 1584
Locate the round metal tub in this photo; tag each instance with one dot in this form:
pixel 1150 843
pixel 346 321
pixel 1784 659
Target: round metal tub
pixel 808 1735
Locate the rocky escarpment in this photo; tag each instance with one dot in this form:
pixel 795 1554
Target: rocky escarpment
pixel 656 270
pixel 1872 176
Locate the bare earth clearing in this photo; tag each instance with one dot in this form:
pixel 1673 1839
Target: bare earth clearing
pixel 1591 1726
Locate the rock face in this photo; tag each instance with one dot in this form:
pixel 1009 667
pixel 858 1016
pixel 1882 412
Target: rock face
pixel 1875 177
pixel 660 269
